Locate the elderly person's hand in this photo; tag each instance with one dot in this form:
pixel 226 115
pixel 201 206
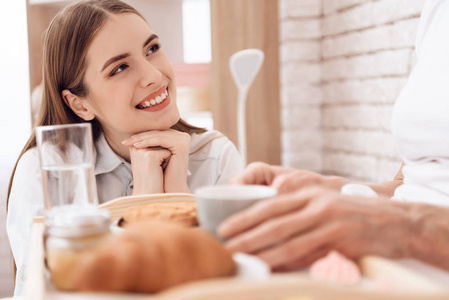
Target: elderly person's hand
pixel 293 230
pixel 287 180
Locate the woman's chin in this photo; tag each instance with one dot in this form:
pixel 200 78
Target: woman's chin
pixel 175 120
pixel 166 125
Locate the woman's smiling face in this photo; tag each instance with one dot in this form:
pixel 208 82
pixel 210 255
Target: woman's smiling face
pixel 130 82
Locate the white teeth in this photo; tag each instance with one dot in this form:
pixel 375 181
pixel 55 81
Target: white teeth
pixel 155 101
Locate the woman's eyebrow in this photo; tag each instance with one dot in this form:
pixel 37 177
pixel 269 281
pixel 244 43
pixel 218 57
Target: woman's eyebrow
pixel 152 37
pixel 114 59
pixel 122 56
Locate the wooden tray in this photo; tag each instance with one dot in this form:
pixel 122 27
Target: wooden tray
pixel 117 206
pixel 285 286
pixel 292 286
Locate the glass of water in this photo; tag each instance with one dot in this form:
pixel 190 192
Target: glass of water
pixel 66 154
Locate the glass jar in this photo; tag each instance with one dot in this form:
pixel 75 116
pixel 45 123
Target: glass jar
pixel 70 231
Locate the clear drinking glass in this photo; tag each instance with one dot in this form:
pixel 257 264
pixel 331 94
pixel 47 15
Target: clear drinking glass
pixel 66 154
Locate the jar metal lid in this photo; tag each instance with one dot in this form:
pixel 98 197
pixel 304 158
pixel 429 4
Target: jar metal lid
pixel 77 221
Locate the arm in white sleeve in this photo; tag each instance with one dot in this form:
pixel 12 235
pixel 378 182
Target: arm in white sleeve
pixel 25 202
pixel 230 163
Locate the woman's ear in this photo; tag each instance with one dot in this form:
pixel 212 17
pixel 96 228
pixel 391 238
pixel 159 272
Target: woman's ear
pixel 77 105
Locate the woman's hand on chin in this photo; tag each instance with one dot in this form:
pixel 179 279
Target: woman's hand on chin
pixel 147 168
pixel 178 144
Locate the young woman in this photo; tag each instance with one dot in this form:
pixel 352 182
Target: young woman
pixel 103 64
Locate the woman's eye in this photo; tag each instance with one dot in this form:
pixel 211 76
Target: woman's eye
pixel 120 68
pixel 153 48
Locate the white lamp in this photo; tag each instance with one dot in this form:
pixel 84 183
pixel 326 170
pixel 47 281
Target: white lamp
pixel 244 67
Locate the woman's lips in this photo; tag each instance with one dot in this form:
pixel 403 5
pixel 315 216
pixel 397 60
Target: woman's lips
pixel 159 106
pixel 154 98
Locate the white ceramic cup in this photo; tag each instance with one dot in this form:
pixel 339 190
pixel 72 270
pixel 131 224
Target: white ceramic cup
pixel 216 203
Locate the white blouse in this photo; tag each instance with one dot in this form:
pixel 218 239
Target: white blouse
pixel 213 160
pixel 420 120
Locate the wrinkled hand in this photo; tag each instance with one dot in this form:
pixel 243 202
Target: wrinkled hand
pixel 293 230
pixel 178 144
pixel 283 179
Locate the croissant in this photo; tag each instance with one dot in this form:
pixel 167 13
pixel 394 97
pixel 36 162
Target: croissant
pixel 148 257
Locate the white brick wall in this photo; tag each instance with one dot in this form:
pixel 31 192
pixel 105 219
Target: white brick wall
pixel 392 36
pixel 337 105
pixel 330 6
pixel 298 28
pixel 358 116
pixel 366 14
pixel 301 77
pixel 362 142
pixel 383 90
pixel 295 8
pixel 301 51
pixel 379 64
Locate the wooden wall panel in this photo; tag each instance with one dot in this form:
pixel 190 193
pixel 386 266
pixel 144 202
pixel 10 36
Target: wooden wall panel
pixel 39 18
pixel 238 25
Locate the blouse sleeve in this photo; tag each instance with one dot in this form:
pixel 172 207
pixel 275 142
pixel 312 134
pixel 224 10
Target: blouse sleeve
pixel 230 162
pixel 25 202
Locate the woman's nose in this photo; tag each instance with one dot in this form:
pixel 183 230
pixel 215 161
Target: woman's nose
pixel 149 74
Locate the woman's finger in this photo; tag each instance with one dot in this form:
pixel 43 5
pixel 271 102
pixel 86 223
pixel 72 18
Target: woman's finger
pixel 161 141
pixel 143 157
pixel 147 134
pixel 167 139
pixel 147 171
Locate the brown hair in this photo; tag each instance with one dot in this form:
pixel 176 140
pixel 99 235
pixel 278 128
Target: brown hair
pixel 66 42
